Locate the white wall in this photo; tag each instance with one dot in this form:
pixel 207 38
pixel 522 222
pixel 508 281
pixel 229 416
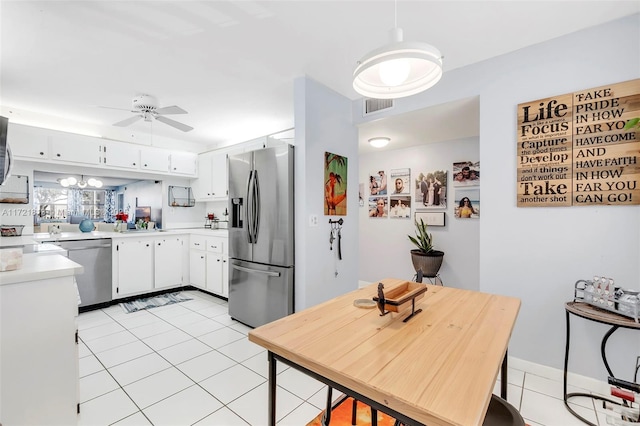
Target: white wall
pixel 384 246
pixel 323 123
pixel 537 254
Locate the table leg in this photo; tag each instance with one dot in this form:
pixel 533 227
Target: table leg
pixel 272 389
pixel 503 377
pixel 602 349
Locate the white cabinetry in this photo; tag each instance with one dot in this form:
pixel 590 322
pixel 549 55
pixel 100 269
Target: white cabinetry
pixel 119 154
pixel 74 148
pixel 39 352
pixel 211 183
pixel 184 163
pixel 156 160
pixel 28 142
pixel 209 263
pixel 168 262
pixel 134 266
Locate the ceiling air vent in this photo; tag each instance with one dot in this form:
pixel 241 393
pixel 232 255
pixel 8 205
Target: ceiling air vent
pixel 374 105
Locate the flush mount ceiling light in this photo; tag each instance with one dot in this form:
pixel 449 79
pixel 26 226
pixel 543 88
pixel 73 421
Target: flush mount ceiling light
pixel 379 142
pixel 398 69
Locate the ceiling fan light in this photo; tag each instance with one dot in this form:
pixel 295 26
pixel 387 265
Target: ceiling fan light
pixel 379 142
pixel 71 180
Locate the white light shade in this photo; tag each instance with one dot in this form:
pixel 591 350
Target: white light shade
pixel 91 182
pixel 82 184
pixel 71 180
pixel 64 182
pixel 379 142
pixel 98 183
pixel 398 69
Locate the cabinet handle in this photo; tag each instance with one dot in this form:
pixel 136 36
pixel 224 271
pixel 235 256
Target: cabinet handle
pixel 196 244
pixel 41 153
pixel 201 257
pixel 57 155
pixel 145 165
pixel 218 260
pixel 147 245
pixel 134 164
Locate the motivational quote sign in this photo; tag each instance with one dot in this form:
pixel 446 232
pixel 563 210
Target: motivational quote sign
pixel 574 149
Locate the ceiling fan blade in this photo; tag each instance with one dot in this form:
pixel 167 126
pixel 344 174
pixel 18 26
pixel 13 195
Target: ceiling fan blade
pixel 119 109
pixel 171 110
pixel 128 121
pixel 174 123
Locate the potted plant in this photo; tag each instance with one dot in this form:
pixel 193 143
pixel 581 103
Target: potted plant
pixel 425 258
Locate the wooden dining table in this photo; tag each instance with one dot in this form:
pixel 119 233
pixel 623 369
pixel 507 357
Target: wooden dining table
pixel 438 368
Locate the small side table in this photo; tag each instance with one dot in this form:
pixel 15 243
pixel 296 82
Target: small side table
pixel 592 313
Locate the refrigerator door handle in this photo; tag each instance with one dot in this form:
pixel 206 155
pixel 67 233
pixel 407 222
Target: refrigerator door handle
pixel 255 271
pixel 248 208
pixel 256 189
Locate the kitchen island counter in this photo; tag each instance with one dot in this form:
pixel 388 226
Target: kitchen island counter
pixel 36 268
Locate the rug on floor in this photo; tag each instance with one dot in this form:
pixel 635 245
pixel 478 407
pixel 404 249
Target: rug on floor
pixel 153 302
pixel 341 415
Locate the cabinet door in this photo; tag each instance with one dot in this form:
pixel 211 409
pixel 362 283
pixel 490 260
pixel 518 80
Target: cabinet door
pixel 214 273
pixel 168 262
pixel 184 163
pixel 124 155
pixel 135 266
pixel 75 148
pixel 225 275
pixel 156 160
pixel 219 184
pixel 198 268
pixel 28 142
pixel 201 186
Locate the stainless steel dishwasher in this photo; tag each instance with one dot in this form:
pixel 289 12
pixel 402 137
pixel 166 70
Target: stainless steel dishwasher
pixel 94 284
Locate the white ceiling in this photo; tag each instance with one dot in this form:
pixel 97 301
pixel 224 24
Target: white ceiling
pixel 231 64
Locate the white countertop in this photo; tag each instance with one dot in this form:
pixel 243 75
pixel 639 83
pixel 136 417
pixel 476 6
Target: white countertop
pixel 68 236
pixel 35 268
pixel 16 241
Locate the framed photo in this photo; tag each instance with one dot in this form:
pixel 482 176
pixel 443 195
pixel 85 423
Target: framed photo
pixel 430 190
pixel 466 173
pixel 400 181
pixel 400 206
pixel 431 218
pixel 467 203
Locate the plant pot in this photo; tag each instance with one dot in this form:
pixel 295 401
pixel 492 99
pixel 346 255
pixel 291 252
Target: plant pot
pixel 428 263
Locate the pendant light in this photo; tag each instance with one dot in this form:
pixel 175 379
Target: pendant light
pixel 398 69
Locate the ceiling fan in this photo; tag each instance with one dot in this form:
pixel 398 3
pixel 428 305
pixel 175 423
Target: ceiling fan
pixel 146 107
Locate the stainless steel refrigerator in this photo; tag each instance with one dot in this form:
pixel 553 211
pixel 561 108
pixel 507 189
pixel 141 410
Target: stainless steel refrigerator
pixel 261 235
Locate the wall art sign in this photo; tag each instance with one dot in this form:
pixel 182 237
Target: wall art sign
pixel 573 149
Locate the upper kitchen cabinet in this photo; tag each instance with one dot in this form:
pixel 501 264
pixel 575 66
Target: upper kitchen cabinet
pixel 211 183
pixel 183 163
pixel 28 142
pixel 156 160
pixel 73 148
pixel 119 154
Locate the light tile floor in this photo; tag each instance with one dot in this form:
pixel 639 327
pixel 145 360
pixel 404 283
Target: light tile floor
pixel 191 364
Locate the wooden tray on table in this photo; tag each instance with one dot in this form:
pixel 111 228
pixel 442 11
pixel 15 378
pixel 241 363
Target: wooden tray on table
pixel 403 296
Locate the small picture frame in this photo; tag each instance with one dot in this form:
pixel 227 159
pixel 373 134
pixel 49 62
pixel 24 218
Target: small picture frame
pixel 431 218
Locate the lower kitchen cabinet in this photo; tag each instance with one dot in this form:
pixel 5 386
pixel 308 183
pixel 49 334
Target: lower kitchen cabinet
pixel 146 264
pixel 39 352
pixel 209 264
pixel 198 268
pixel 168 262
pixel 134 264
